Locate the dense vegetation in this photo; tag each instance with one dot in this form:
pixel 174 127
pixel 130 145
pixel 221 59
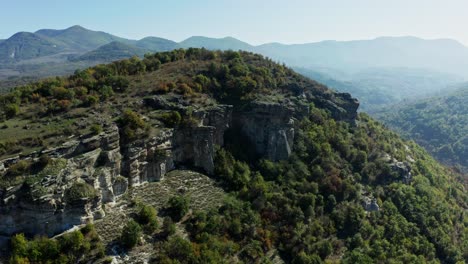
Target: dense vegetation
pixel 306 209
pixel 310 206
pixel 439 124
pixel 71 247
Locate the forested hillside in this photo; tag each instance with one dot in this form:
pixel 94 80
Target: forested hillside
pixel 304 178
pixel 440 124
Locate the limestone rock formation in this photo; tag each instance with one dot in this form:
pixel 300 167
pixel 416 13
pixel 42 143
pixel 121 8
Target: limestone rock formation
pixel 370 204
pixel 269 127
pixel 88 172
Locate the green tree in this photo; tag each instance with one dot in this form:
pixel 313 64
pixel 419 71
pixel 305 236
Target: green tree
pixel 131 234
pixel 147 216
pixel 178 206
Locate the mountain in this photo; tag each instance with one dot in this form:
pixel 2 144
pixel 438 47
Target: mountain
pixel 379 72
pixel 227 43
pixel 442 55
pixel 81 39
pixel 439 124
pixel 156 44
pixel 198 156
pixel 380 87
pixel 26 45
pixel 112 51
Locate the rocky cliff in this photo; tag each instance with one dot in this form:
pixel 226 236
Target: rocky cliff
pixel 96 170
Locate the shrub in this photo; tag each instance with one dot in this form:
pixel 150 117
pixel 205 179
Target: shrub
pixel 118 83
pixel 61 93
pixel 19 245
pixel 129 123
pixel 81 91
pixel 96 129
pixel 178 206
pixel 162 88
pixel 169 228
pixel 19 168
pixel 131 119
pixel 11 110
pixel 91 100
pixel 105 92
pixel 73 242
pixel 147 216
pixel 171 119
pixel 130 234
pixel 44 160
pixel 78 191
pixel 62 105
pixel 184 89
pixel 41 163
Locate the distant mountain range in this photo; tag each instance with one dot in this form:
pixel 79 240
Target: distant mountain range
pixel 379 71
pixel 377 88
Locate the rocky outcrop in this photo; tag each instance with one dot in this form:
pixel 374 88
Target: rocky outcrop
pixel 108 167
pixel 370 204
pixel 342 106
pixel 403 169
pixel 269 127
pixel 148 160
pixel 40 205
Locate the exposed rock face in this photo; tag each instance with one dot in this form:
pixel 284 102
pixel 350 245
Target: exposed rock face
pixel 195 146
pixel 40 204
pixel 404 171
pixel 342 106
pixel 269 127
pixel 148 160
pixel 370 204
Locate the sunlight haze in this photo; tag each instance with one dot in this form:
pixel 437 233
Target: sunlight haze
pixel 257 22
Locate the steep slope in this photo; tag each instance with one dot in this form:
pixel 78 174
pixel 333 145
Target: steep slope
pixel 306 178
pixel 439 124
pixel 26 45
pixel 81 39
pixel 111 52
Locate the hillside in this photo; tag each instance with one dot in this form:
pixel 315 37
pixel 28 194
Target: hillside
pixel 295 175
pixel 25 45
pixel 156 44
pixel 111 52
pixel 439 124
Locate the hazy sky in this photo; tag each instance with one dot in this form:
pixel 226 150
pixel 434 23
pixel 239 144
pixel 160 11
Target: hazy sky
pixel 254 21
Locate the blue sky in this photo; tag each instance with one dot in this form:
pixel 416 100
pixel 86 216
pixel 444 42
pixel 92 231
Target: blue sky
pixel 254 21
